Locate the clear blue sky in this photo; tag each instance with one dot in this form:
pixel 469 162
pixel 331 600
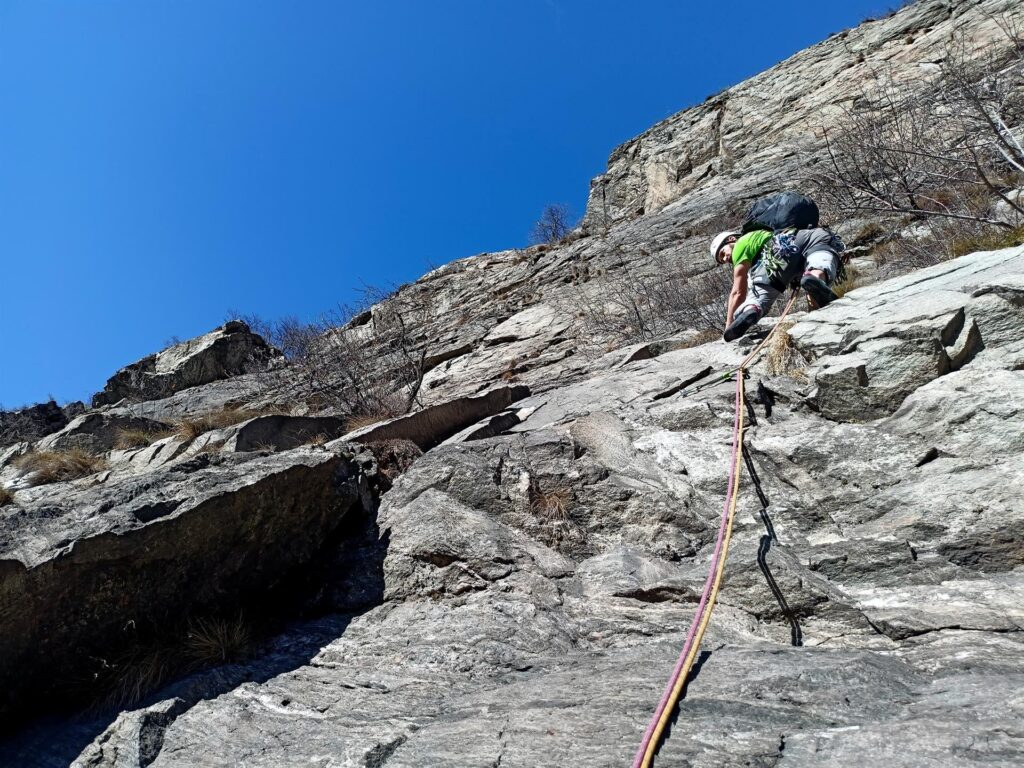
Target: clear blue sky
pixel 162 161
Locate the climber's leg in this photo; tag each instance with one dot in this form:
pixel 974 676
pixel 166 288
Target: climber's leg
pixel 761 294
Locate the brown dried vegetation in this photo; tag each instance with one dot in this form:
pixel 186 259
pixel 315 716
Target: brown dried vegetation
pixel 55 466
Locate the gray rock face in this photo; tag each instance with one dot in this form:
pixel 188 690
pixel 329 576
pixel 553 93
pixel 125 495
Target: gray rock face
pixel 764 131
pixel 521 594
pixel 80 561
pixel 31 423
pixel 228 351
pixel 96 432
pixel 433 424
pixel 537 584
pixel 877 345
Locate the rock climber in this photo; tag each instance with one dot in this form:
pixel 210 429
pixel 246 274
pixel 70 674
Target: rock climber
pixel 765 263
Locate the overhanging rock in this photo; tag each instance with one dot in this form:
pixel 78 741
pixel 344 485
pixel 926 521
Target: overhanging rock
pixel 203 537
pixel 436 423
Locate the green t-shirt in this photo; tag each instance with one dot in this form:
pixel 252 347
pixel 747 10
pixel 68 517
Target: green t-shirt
pixel 748 247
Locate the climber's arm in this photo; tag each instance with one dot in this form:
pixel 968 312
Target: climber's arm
pixel 739 290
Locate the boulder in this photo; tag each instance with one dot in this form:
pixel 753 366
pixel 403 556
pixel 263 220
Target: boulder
pixel 32 423
pixel 228 351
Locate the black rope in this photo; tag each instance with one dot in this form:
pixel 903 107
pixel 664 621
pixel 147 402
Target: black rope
pixel 795 633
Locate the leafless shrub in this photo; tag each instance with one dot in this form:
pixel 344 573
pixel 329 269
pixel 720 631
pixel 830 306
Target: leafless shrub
pixel 6 496
pixel 950 154
pixel 288 334
pixel 631 303
pixel 364 360
pixel 56 466
pixel 554 225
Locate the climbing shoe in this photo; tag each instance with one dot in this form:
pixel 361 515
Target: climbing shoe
pixel 818 290
pixel 741 324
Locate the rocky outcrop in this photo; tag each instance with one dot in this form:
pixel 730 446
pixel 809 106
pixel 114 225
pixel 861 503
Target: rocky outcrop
pixel 884 342
pixel 763 132
pixel 435 423
pixel 82 561
pixel 31 423
pixel 97 432
pixel 228 351
pixel 536 584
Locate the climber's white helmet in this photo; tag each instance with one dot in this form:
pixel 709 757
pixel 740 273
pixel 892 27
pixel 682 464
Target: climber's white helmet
pixel 719 240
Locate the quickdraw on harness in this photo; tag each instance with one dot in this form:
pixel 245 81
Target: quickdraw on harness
pixel 677 681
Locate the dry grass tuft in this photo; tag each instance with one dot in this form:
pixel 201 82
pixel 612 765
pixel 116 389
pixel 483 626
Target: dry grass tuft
pixel 136 673
pixel 317 440
pixel 781 355
pixel 55 466
pixel 193 427
pixel 390 408
pixel 853 280
pixel 216 641
pixel 986 240
pixel 551 510
pixel 703 337
pixel 140 438
pixel 6 496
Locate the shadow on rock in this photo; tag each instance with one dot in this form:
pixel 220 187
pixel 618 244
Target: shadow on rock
pixel 299 617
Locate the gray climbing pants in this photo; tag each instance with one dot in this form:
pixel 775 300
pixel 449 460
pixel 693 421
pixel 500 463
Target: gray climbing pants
pixel 817 248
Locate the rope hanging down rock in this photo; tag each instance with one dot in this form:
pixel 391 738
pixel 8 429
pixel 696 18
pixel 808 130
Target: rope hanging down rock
pixel 677 681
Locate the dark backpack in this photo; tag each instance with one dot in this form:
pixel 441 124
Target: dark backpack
pixel 784 210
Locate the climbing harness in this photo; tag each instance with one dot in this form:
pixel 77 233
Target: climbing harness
pixel 677 681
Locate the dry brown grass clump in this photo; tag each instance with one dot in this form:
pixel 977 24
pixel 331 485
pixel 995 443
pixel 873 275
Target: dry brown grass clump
pixel 853 280
pixel 6 496
pixel 703 337
pixel 781 355
pixel 54 466
pixel 134 674
pixel 140 438
pixel 194 426
pixel 551 510
pixel 130 674
pixel 360 420
pixel 987 240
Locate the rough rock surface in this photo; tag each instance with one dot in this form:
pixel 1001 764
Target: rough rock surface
pixel 81 560
pixel 878 617
pixel 228 351
pixel 96 432
pixel 31 423
pixel 522 591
